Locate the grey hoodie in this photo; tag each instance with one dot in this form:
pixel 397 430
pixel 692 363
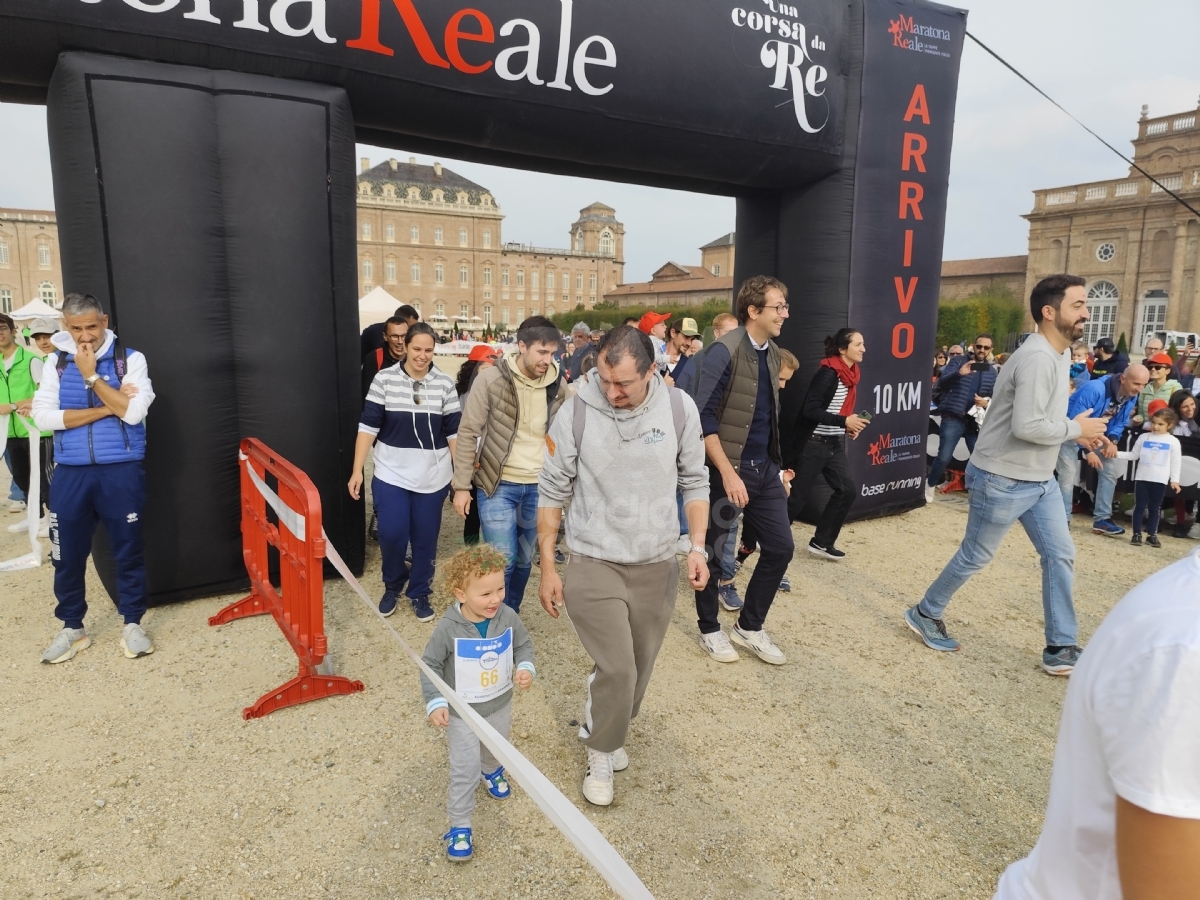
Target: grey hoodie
pixel 439 654
pixel 622 485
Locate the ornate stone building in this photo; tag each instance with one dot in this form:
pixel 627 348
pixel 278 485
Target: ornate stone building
pixel 963 277
pixel 29 263
pixel 432 238
pixel 1136 246
pixel 676 285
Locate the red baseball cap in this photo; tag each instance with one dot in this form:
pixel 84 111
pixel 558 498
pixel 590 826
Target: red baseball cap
pixel 1155 405
pixel 482 352
pixel 650 319
pixel 1159 359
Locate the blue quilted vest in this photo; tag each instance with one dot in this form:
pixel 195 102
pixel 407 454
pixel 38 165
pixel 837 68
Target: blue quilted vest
pixel 108 440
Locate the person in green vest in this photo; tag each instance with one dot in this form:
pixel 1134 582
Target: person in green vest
pixel 20 374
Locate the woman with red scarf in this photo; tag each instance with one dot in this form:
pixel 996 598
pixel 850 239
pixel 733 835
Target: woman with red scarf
pixel 819 445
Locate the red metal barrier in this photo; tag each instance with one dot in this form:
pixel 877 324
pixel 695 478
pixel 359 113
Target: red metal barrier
pixel 299 606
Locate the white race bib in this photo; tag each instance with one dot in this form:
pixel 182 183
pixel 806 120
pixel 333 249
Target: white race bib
pixel 1156 453
pixel 483 667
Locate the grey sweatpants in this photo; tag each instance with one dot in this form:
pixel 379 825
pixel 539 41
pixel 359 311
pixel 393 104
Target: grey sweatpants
pixel 469 759
pixel 621 614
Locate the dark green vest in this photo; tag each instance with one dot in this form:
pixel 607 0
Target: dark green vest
pixel 737 405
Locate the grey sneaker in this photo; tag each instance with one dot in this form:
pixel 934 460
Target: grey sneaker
pixel 135 642
pixel 65 645
pixel 931 631
pixel 1062 662
pixel 785 584
pixel 728 595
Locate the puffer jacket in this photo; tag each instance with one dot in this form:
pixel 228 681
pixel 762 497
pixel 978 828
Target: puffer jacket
pixel 958 391
pixel 489 426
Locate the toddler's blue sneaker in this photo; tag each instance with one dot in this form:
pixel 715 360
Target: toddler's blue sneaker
pixel 459 849
pixel 497 784
pixel 422 609
pixel 387 605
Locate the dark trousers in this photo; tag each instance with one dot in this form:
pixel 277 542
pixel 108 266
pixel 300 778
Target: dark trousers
pixel 767 514
pixel 406 517
pixel 1147 501
pixel 18 449
pixel 952 428
pixel 81 496
pixel 826 458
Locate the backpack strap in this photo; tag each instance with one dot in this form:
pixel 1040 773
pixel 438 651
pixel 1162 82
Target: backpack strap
pixel 378 358
pixel 60 364
pixel 578 420
pixel 552 395
pixel 678 416
pixel 119 360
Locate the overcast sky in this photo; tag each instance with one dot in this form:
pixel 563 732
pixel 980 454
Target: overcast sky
pixel 1101 59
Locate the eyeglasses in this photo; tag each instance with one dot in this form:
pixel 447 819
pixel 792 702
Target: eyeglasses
pixel 782 307
pixel 983 346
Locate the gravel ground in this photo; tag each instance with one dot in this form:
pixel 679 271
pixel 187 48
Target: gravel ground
pixel 867 766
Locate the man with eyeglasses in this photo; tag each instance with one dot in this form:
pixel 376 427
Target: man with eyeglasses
pixel 740 423
pixel 394 330
pixel 965 385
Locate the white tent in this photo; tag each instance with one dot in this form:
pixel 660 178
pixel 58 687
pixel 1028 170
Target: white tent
pixel 35 309
pixel 377 306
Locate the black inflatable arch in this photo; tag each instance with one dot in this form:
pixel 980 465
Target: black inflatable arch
pixel 203 160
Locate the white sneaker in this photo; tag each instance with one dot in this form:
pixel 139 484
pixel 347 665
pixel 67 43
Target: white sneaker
pixel 718 647
pixel 44 527
pixel 1194 532
pixel 16 506
pixel 620 760
pixel 760 644
pixel 929 495
pixel 23 526
pixel 598 782
pixel 684 544
pixel 135 642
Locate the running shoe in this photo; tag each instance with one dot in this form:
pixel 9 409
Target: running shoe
pixel 1061 661
pixel 785 584
pixel 135 642
pixel 16 506
pixel 1107 527
pixel 728 595
pixel 620 760
pixel 1153 541
pixel 65 645
pixel 759 643
pixel 459 849
pixel 931 631
pixel 1136 540
pixel 422 609
pixel 830 552
pixel 718 647
pixel 598 781
pixel 373 528
pixel 497 784
pixel 387 605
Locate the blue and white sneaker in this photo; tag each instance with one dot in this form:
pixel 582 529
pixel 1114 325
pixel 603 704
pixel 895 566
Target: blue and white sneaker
pixel 1062 661
pixel 931 631
pixel 785 584
pixel 728 595
pixel 423 610
pixel 1107 527
pixel 497 784
pixel 459 849
pixel 387 605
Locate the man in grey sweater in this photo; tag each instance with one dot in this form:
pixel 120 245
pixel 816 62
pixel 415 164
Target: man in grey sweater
pixel 619 452
pixel 1011 474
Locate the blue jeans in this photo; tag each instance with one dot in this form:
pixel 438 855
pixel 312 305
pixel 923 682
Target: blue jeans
pixel 683 525
pixel 14 492
pixel 951 429
pixel 407 517
pixel 996 503
pixel 1067 470
pixel 1106 486
pixel 508 521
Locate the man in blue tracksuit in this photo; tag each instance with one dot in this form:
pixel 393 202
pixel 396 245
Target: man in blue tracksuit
pixel 965 383
pixel 1114 396
pixel 94 396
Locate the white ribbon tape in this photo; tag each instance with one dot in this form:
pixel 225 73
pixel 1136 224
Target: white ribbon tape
pixel 561 811
pixel 288 516
pixel 33 500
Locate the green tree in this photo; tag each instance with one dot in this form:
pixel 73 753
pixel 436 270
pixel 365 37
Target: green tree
pixel 995 311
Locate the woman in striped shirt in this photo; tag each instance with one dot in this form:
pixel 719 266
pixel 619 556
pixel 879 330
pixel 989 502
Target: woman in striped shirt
pixel 411 417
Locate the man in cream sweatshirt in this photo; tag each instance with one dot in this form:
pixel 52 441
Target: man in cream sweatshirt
pixel 1011 474
pixel 618 452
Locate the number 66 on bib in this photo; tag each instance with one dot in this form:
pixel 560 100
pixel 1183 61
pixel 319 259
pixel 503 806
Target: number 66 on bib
pixel 483 667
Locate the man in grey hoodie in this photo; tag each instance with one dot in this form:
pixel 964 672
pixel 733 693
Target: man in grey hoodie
pixel 618 452
pixel 1010 475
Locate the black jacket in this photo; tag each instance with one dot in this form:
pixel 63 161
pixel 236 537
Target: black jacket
pixel 1114 365
pixel 813 412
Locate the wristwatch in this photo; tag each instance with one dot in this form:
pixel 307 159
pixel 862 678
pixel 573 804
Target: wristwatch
pixel 700 550
pixel 91 380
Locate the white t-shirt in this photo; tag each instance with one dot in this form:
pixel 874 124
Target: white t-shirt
pixel 1130 726
pixel 1158 457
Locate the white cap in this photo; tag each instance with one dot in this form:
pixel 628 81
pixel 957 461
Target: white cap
pixel 43 326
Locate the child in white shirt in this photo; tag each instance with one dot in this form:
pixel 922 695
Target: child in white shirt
pixel 1158 456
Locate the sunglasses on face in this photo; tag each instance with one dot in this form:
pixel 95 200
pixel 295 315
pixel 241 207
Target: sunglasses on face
pixel 1157 366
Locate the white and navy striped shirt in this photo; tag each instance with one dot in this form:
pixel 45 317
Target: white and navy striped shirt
pixel 413 421
pixel 834 409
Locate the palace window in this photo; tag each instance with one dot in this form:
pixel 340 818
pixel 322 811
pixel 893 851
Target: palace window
pixel 414 234
pixel 487 315
pixel 1105 252
pixel 533 280
pixel 504 277
pixel 389 270
pixel 487 275
pixel 520 314
pixel 504 316
pixel 1102 312
pixel 43 256
pixel 592 281
pixel 48 293
pixel 414 273
pixel 366 231
pixel 462 275
pixel 716 268
pixel 606 244
pixel 520 278
pixel 487 239
pixel 579 281
pixel 463 311
pixel 439 273
pixel 462 237
pixel 579 241
pixel 368 269
pixel 437 235
pixel 6 304
pixel 549 281
pixel 3 253
pixel 389 231
pixel 441 310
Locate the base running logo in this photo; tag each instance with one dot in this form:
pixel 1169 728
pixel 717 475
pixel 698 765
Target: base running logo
pixel 890 449
pixel 908 35
pixel 874 490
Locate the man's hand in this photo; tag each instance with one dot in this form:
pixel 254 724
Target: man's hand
pixel 1094 461
pixel 854 425
pixel 1109 449
pixel 669 380
pixel 85 360
pixel 735 489
pixel 551 590
pixel 982 401
pixel 462 502
pixel 355 484
pixel 523 679
pixel 129 390
pixel 440 717
pixel 966 369
pixel 25 408
pixel 1091 428
pixel 697 571
pixel 787 475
